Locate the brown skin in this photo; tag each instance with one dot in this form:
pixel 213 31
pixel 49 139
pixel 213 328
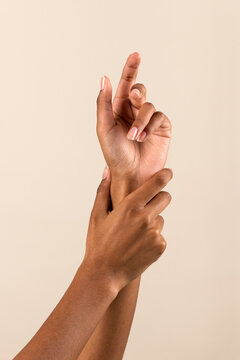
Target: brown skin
pixel 131 163
pixel 131 233
pixel 121 244
pixel 131 160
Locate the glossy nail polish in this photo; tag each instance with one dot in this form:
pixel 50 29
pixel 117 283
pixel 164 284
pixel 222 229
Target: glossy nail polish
pixel 102 83
pixel 105 172
pixel 142 136
pixel 132 134
pixel 136 92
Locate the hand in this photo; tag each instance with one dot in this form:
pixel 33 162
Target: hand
pixel 134 136
pixel 123 243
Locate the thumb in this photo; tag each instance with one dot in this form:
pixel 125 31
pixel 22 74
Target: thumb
pixel 105 119
pixel 102 200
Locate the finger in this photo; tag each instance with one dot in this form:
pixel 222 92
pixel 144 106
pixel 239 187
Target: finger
pixel 102 200
pixel 138 95
pixel 128 76
pixel 158 223
pixel 158 121
pixel 163 244
pixel 158 204
pixel 147 191
pixel 143 117
pixel 105 118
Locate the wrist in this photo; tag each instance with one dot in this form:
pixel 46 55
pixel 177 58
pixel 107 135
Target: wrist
pixel 122 185
pixel 99 279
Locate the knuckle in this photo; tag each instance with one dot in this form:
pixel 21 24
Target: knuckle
pixel 163 244
pixel 160 115
pixel 160 244
pixel 169 123
pixel 129 209
pixel 149 105
pixel 127 76
pixel 160 220
pixel 145 220
pixel 164 119
pixel 154 234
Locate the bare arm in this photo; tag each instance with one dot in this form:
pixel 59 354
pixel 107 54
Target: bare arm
pixel 110 337
pixel 131 163
pixel 108 266
pixel 68 328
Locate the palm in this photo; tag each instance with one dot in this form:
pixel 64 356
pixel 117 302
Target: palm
pixel 147 157
pixel 122 155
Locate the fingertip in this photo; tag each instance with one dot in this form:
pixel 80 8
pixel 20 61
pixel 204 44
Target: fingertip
pixel 105 83
pixel 134 59
pixel 135 93
pixel 102 83
pixel 136 54
pixel 170 171
pixel 167 195
pixel 166 171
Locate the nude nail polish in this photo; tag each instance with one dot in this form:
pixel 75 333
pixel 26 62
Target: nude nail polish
pixel 142 136
pixel 136 92
pixel 102 83
pixel 105 172
pixel 132 134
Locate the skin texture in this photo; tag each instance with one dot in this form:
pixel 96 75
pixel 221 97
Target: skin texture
pixel 118 249
pixel 131 163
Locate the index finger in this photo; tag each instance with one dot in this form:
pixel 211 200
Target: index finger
pixel 150 188
pixel 128 76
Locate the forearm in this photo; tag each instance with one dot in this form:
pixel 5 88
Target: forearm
pixel 69 326
pixel 109 339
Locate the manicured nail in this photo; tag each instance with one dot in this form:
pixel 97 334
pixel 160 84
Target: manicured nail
pixel 132 134
pixel 105 172
pixel 142 136
pixel 102 83
pixel 135 52
pixel 136 92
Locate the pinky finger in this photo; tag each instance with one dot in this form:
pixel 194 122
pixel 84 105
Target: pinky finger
pixel 159 122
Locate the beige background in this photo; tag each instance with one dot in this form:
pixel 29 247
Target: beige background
pixel 53 53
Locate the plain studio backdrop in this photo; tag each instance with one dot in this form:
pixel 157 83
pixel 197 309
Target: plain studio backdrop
pixel 53 53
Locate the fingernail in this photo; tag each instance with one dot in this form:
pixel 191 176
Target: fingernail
pixel 102 83
pixel 105 172
pixel 142 136
pixel 132 134
pixel 135 52
pixel 136 92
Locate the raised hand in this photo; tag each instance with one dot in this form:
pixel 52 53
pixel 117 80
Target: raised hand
pixel 134 136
